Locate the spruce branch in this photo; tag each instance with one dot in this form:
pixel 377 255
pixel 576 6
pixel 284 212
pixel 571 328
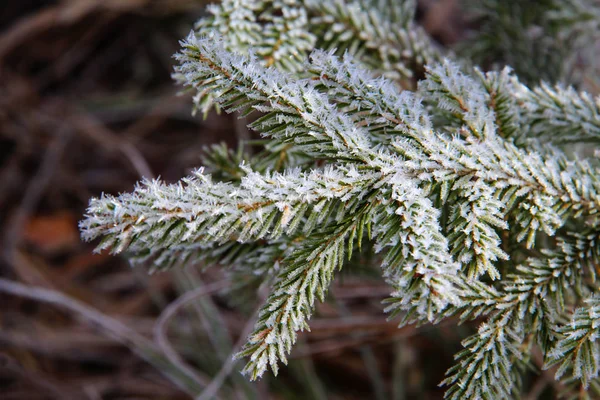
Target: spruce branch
pixel 485 367
pixel 381 36
pixel 278 31
pixel 472 228
pixel 417 265
pixel 534 297
pixel 542 287
pixel 540 40
pixel 546 188
pixel 560 115
pixel 197 210
pixel 294 111
pixel 462 97
pixel 305 277
pixel 501 87
pixel 416 262
pixel 578 347
pixel 578 20
pixel 468 213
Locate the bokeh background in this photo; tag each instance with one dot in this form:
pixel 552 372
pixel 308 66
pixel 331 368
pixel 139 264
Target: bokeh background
pixel 87 105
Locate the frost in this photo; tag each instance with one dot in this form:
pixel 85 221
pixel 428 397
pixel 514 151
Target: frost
pixel 448 185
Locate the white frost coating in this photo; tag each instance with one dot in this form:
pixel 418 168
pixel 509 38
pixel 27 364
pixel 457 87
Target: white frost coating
pixel 578 346
pixel 443 184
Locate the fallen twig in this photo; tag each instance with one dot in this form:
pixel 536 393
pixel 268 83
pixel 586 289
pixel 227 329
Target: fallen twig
pixel 192 384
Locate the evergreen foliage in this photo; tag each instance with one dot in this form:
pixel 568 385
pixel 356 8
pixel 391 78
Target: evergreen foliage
pixel 461 186
pixel 542 39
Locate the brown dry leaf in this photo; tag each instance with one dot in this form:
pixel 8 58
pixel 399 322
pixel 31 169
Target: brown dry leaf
pixel 53 233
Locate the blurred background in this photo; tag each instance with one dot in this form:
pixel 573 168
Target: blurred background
pixel 87 105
